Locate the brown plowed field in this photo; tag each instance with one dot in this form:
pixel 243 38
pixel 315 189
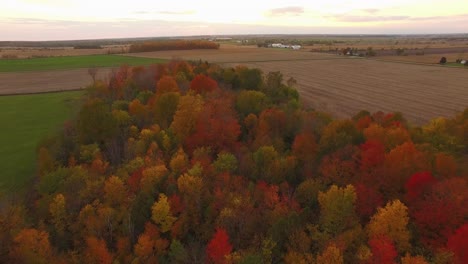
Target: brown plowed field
pixel 344 87
pixel 428 58
pixel 46 81
pixel 232 53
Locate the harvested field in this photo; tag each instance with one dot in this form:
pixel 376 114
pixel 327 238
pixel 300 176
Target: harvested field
pixel 336 84
pixel 344 87
pixel 232 53
pixel 47 81
pixel 427 59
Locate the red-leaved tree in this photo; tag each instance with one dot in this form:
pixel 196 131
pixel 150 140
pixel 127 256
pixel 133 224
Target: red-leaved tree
pixel 203 84
pixel 383 250
pixel 219 247
pixel 458 244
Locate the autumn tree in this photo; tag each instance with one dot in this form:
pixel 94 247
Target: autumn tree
pixel 203 84
pixel 264 159
pixel 248 79
pixel 226 162
pixel 216 127
pixel 140 112
pixel 367 201
pixel 57 209
pixel 97 252
pixel 177 252
pixel 337 209
pixel 161 214
pixel 271 129
pixel 186 115
pixel 445 165
pixel 179 162
pixel 307 192
pixel 31 246
pixel 458 244
pixel 337 135
pixel 305 147
pixel 391 221
pixel 115 192
pixel 383 250
pixel 400 163
pixel 437 208
pixel 340 167
pixel 408 259
pixel 95 122
pixel 166 84
pixel 150 246
pixel 251 102
pixel 219 247
pixel 164 108
pixel 152 176
pixel 331 255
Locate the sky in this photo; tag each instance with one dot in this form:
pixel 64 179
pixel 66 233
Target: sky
pixel 95 19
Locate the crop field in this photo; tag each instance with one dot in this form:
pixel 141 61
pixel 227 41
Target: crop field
pixel 27 119
pixel 344 87
pixel 427 59
pixel 233 53
pixel 47 81
pixel 336 84
pixel 71 62
pixel 38 52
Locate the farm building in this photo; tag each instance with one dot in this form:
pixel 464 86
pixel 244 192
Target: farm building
pixel 280 45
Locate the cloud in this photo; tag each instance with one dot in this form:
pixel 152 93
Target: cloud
pixel 371 10
pixel 166 12
pixel 186 12
pixel 358 19
pixel 462 16
pixel 286 11
pixel 373 18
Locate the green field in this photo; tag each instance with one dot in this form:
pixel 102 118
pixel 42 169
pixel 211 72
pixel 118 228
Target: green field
pixel 72 62
pixel 26 119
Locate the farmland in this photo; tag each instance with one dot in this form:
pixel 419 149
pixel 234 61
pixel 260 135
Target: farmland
pixel 327 82
pixel 71 62
pixel 26 120
pixel 344 87
pixel 233 53
pixel 425 59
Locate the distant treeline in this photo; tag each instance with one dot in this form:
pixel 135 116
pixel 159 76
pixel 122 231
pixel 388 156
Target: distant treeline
pixel 87 46
pixel 173 45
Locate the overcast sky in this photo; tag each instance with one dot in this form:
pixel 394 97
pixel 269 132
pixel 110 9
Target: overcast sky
pixel 88 19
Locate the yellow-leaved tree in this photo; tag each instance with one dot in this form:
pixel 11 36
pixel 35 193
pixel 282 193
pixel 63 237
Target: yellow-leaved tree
pixel 331 255
pixel 58 212
pixel 391 221
pixel 161 214
pixel 337 212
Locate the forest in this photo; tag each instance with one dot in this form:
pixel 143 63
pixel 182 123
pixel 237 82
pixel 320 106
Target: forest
pixel 190 162
pixel 172 45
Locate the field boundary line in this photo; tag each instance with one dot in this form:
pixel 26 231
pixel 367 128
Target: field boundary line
pixel 43 92
pixel 260 61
